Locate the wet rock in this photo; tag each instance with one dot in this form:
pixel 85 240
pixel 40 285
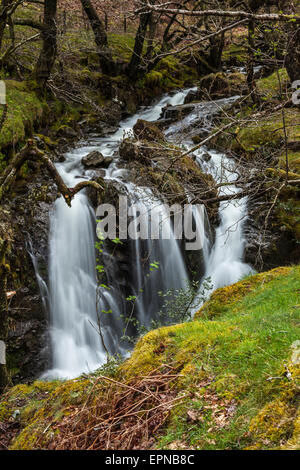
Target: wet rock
pixel 61 159
pixel 66 131
pixel 221 85
pixel 98 173
pixel 93 159
pixel 206 157
pixel 144 130
pixel 175 113
pixel 129 150
pixel 192 95
pixel 96 125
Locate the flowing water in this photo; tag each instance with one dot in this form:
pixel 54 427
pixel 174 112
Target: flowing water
pixel 73 296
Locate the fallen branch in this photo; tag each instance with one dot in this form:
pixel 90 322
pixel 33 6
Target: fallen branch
pixel 220 13
pixel 31 152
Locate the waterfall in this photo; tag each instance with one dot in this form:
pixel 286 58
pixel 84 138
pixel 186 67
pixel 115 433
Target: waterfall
pixel 224 261
pixel 76 345
pixel 75 301
pixel 225 265
pixel 171 273
pixel 75 340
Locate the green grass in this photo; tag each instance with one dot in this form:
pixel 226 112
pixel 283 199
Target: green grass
pixel 227 363
pixel 234 362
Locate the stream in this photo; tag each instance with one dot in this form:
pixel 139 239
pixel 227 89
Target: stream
pixel 73 300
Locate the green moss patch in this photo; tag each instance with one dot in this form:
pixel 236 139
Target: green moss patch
pixel 24 110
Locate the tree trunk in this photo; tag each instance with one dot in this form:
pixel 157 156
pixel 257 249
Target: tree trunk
pixel 136 58
pixel 151 36
pixel 49 49
pixel 250 62
pixel 107 63
pixel 292 60
pixel 3 18
pixel 216 50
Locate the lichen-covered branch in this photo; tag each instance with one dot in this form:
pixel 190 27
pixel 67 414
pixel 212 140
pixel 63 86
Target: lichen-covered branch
pixel 30 151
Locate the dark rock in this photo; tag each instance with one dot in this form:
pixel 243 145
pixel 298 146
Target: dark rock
pixel 221 85
pixel 129 150
pixel 294 146
pixel 107 162
pixel 175 113
pixel 93 159
pixel 66 131
pixel 206 157
pixel 61 159
pixel 144 130
pixel 192 95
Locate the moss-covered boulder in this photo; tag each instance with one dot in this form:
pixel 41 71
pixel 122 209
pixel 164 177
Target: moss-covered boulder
pixel 145 130
pixel 221 85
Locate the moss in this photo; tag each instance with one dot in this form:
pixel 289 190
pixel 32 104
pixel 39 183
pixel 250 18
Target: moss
pixel 148 352
pixel 277 422
pixel 5 411
pixel 267 131
pixel 294 161
pixel 219 85
pixel 274 85
pixel 122 45
pixel 24 110
pixel 223 299
pixel 170 73
pixel 235 53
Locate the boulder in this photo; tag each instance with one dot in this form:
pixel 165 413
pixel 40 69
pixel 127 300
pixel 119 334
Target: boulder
pixel 144 130
pixel 221 85
pixel 129 150
pixel 175 113
pixel 192 95
pixel 67 132
pixel 93 160
pixel 206 157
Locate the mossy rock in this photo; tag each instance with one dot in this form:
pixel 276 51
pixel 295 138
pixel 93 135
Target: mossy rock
pixel 267 132
pixel 221 85
pixel 25 110
pixel 145 130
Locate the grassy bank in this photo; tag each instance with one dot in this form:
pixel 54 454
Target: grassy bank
pixel 237 378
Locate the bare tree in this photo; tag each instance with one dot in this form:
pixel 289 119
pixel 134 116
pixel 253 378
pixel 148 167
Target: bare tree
pixel 107 63
pixel 49 49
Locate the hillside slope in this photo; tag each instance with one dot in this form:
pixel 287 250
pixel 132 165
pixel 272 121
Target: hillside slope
pixel 227 380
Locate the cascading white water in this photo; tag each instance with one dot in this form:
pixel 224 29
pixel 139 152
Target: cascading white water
pixel 75 340
pixel 163 248
pixel 76 346
pixel 225 264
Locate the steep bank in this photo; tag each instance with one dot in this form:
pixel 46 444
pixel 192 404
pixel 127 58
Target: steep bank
pixel 234 371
